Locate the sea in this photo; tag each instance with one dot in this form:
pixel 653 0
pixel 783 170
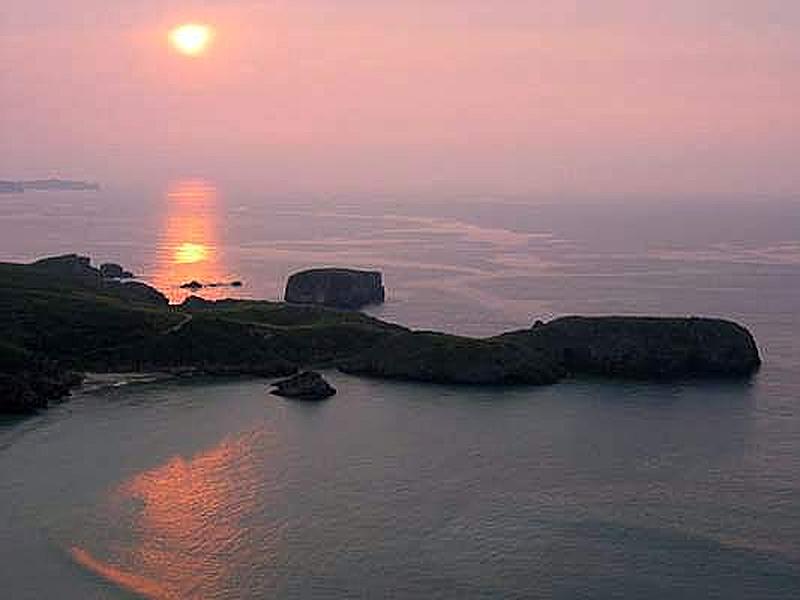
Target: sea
pixel 215 489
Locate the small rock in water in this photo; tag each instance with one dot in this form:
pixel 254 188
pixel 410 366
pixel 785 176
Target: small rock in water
pixel 348 289
pixel 197 285
pixel 308 385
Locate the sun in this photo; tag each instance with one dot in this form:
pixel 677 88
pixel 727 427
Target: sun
pixel 191 39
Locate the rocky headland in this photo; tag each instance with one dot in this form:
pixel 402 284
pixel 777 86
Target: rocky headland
pixel 61 317
pixel 109 278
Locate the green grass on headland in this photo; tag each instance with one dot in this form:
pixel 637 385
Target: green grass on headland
pixel 59 317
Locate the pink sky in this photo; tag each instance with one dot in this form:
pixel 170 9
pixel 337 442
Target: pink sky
pixel 526 98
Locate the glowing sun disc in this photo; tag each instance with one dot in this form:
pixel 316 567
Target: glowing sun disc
pixel 191 39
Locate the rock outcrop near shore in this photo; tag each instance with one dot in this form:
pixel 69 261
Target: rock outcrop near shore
pixel 336 288
pixel 309 385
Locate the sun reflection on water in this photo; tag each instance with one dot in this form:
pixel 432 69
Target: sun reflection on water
pixel 190 248
pixel 189 253
pixel 186 524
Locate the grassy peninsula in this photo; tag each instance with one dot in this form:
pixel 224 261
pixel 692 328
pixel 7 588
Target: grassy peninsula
pixel 61 317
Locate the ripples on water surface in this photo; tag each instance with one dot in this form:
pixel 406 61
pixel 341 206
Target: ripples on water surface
pixel 585 489
pixel 218 490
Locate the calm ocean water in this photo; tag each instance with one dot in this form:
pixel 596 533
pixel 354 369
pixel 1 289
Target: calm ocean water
pixel 587 489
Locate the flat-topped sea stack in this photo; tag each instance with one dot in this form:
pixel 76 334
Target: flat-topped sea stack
pixel 349 289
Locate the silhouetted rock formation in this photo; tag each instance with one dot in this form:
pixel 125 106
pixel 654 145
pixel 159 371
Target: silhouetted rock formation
pixel 195 285
pixel 335 288
pixel 28 383
pixel 68 265
pixel 114 271
pixel 74 268
pixel 644 347
pixel 32 390
pixel 308 385
pixel 647 348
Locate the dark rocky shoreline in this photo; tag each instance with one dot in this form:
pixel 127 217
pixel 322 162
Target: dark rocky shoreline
pixel 62 317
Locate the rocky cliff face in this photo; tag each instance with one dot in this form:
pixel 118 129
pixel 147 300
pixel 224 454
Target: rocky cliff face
pixel 336 288
pixel 105 279
pixel 68 265
pixel 645 347
pixel 32 390
pixel 28 384
pixel 308 385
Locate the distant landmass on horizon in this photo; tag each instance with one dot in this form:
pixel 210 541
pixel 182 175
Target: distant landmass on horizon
pixel 18 187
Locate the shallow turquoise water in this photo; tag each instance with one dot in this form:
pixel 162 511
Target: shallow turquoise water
pixel 587 489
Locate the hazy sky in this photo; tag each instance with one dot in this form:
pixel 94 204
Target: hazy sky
pixel 513 97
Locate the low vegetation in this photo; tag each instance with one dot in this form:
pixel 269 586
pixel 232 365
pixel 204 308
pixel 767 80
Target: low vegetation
pixel 60 318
